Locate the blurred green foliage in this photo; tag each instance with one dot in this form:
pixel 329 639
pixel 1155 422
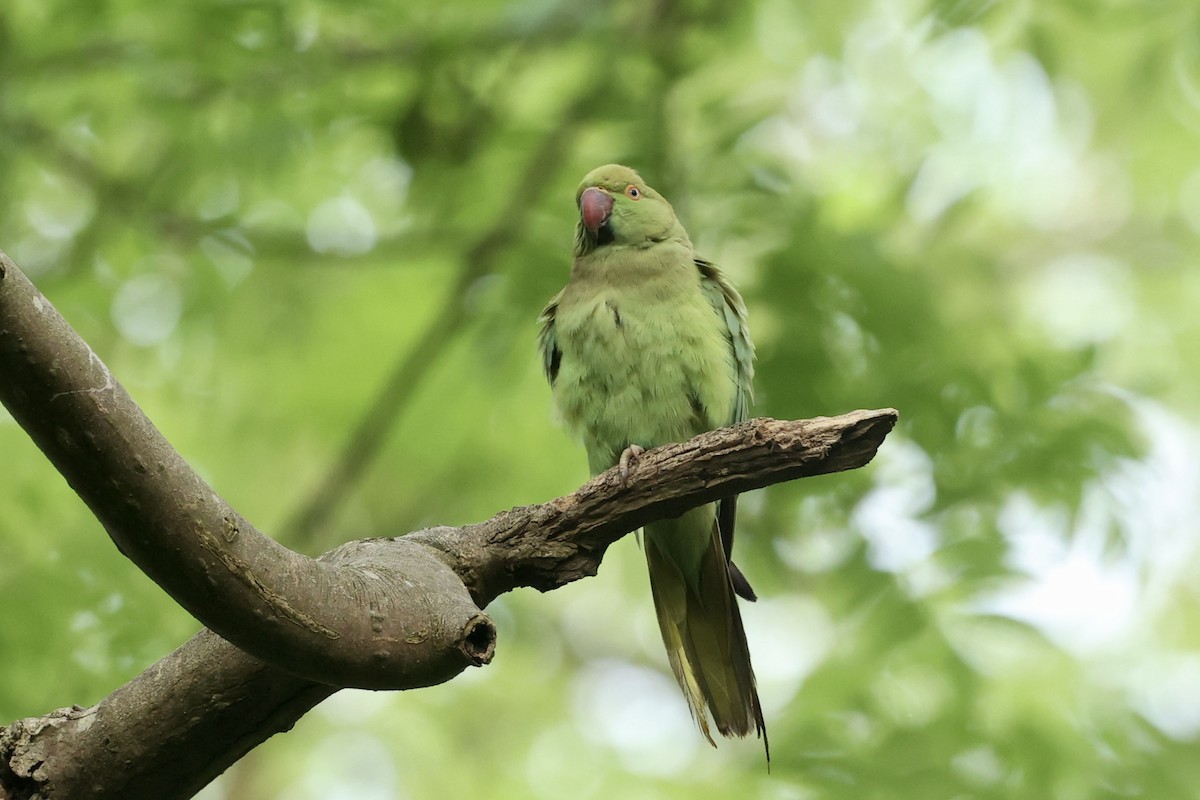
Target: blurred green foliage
pixel 263 214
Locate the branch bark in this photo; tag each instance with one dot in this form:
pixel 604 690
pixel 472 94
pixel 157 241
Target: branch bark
pixel 334 620
pixel 166 734
pixel 549 545
pixel 392 613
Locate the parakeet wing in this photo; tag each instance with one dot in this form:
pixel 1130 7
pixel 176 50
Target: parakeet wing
pixel 729 306
pixel 548 341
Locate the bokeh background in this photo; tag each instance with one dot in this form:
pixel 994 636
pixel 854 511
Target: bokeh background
pixel 312 239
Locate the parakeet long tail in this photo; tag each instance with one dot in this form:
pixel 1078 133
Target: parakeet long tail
pixel 701 625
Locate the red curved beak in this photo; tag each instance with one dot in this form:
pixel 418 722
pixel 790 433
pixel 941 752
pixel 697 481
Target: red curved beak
pixel 594 207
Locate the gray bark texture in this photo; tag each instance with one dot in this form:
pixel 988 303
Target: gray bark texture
pixel 285 631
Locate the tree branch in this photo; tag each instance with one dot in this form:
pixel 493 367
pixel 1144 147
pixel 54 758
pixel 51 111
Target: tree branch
pixel 334 620
pixel 162 736
pixel 379 613
pixel 546 546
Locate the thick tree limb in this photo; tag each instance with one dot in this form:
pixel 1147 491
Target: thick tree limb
pixel 165 734
pixel 331 620
pixel 380 613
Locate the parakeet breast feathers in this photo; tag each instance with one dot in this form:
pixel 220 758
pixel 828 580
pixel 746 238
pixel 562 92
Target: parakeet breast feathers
pixel 653 363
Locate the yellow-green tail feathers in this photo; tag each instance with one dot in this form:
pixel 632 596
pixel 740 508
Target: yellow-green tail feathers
pixel 701 625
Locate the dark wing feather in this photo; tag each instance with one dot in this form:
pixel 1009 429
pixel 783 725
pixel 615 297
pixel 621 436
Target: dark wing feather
pixel 548 340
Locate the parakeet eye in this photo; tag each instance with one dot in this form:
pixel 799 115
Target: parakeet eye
pixel 632 192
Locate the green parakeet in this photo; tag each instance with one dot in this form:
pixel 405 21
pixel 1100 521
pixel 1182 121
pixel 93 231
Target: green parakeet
pixel 647 344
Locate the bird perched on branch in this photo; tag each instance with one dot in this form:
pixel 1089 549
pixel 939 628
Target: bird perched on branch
pixel 647 344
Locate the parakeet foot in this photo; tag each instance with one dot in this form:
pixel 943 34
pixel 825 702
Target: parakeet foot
pixel 628 459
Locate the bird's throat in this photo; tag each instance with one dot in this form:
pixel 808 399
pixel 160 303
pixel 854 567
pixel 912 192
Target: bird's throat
pixel 604 234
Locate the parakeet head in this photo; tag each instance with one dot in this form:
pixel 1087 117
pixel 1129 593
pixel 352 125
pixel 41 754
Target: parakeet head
pixel 616 207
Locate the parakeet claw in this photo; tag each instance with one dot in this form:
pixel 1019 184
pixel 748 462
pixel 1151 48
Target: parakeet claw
pixel 628 459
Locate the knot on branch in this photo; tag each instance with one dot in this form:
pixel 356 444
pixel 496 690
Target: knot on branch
pixel 420 626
